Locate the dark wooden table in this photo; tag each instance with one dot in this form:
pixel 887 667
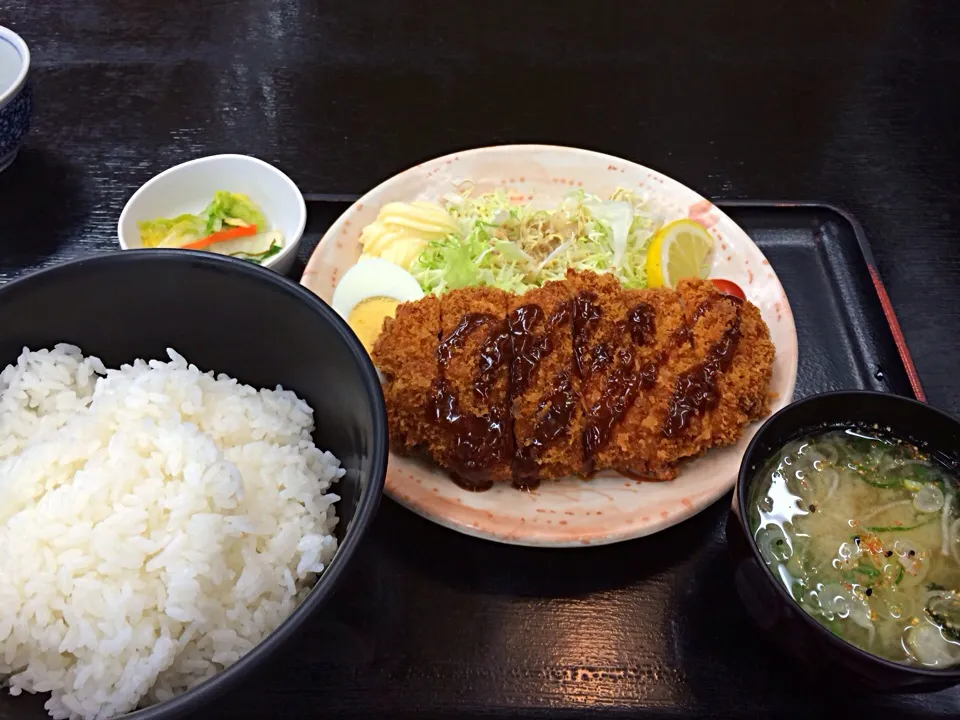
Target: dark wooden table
pixel 855 103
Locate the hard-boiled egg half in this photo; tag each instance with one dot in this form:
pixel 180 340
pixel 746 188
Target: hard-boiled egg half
pixel 369 292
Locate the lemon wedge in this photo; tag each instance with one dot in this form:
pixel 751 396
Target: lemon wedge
pixel 680 249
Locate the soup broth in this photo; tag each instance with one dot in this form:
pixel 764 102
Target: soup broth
pixel 863 530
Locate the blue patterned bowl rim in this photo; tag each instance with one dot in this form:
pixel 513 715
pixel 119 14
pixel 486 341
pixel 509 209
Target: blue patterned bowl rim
pixel 9 36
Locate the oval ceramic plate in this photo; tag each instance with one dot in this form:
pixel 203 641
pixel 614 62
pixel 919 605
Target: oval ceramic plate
pixel 569 512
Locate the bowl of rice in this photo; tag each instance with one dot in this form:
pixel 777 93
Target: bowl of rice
pixel 192 448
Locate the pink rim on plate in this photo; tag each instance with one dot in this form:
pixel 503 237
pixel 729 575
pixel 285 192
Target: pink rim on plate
pixel 569 512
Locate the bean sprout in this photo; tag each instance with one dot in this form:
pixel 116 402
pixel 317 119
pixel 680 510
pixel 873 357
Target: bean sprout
pixel 944 519
pixel 829 452
pixel 884 508
pixel 955 536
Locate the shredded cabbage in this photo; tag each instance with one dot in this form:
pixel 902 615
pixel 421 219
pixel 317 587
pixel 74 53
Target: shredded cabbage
pixel 514 247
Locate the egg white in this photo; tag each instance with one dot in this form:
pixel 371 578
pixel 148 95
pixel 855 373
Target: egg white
pixel 373 277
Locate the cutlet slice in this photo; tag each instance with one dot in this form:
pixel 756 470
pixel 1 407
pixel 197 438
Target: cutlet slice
pixel 608 383
pixel 470 404
pixel 406 355
pixel 655 331
pixel 728 387
pixel 545 389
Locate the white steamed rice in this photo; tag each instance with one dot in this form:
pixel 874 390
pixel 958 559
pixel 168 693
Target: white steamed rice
pixel 156 523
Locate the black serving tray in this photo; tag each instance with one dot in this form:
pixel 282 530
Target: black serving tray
pixel 431 623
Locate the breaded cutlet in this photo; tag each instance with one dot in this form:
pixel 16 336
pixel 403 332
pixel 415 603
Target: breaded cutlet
pixel 406 354
pixel 545 389
pixel 604 369
pixel 474 365
pixel 657 332
pixel 661 375
pixel 732 345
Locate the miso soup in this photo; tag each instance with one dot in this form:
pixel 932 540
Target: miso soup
pixel 863 530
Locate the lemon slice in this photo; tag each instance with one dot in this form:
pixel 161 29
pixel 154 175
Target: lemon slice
pixel 681 249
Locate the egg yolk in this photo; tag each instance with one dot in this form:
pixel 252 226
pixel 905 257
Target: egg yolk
pixel 366 318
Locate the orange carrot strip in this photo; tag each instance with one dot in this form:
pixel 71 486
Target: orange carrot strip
pixel 231 234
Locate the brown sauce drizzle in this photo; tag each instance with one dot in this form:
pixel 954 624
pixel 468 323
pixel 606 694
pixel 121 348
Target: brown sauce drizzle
pixel 494 354
pixel 617 397
pixel 695 390
pixel 647 375
pixel 682 336
pixel 586 313
pixel 471 484
pixel 559 408
pixel 477 442
pixel 523 341
pixel 455 340
pixel 641 323
pixel 526 483
pixel 555 414
pixel 480 442
pixel 712 300
pixel 623 382
pixel 600 357
pixel 528 348
pixel 561 314
pixel 555 411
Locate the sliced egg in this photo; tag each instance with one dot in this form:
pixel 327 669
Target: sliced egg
pixel 369 292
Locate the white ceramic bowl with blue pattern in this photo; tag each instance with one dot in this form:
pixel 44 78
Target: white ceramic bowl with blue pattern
pixel 16 97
